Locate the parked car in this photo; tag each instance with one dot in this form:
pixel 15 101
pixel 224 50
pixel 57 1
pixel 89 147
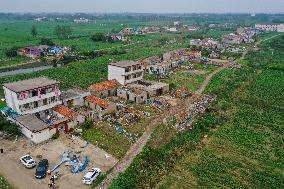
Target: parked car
pixel 28 161
pixel 91 176
pixel 41 169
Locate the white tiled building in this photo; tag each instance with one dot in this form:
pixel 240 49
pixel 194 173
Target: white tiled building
pixel 126 72
pixel 272 27
pixel 33 95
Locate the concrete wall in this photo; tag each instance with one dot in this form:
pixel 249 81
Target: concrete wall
pixel 119 74
pixel 101 111
pixel 138 99
pixel 38 137
pixel 105 93
pixel 11 99
pixel 116 73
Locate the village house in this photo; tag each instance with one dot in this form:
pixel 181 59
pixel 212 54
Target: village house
pixel 128 31
pixel 73 118
pixel 151 87
pixel 142 90
pixel 133 94
pixel 232 39
pixel 56 51
pixel 100 106
pixel 104 89
pixel 152 29
pixel 35 129
pixel 126 71
pixel 32 52
pixel 74 97
pixel 195 42
pixel 118 37
pixel 81 20
pixel 32 96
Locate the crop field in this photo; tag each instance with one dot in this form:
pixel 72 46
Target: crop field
pixel 18 34
pixel 92 71
pixel 237 143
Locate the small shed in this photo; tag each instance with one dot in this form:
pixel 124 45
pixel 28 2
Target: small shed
pixel 35 129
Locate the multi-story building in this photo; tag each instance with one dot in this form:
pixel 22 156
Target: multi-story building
pixel 32 96
pixel 274 27
pixel 126 72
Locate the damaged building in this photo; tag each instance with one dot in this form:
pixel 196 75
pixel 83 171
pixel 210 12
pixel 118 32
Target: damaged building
pixel 104 89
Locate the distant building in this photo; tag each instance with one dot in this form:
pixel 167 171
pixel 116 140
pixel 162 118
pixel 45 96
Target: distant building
pixel 173 29
pixel 125 71
pixel 270 27
pixel 31 96
pixel 81 20
pixel 195 42
pixel 128 31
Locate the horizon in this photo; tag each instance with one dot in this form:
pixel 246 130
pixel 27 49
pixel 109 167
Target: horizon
pixel 146 6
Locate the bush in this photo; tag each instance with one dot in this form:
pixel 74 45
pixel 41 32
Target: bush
pixel 99 37
pixel 55 136
pixel 46 41
pixel 9 128
pixel 87 125
pixel 12 52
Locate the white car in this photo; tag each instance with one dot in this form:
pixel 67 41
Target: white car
pixel 91 176
pixel 28 161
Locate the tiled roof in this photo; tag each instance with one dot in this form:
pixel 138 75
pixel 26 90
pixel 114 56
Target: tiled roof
pixel 95 100
pixel 104 85
pixel 66 112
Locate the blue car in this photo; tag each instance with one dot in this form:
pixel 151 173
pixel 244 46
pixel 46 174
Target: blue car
pixel 41 169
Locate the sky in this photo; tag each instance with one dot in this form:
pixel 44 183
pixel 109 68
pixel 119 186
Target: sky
pixel 144 6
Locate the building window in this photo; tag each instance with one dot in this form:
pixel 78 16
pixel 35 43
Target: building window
pixel 43 91
pixel 127 77
pixel 34 93
pixel 127 69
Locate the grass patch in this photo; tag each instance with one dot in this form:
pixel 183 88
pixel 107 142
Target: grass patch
pixel 108 139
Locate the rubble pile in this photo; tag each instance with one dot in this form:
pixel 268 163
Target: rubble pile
pixel 184 119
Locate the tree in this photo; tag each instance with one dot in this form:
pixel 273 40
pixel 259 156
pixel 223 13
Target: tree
pixel 98 37
pixel 46 41
pixel 63 31
pixel 34 31
pixel 12 52
pixel 9 128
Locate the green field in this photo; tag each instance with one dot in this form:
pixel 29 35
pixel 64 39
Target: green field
pixel 238 143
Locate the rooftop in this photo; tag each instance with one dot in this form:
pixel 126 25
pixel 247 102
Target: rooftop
pixel 100 102
pixel 32 123
pixel 74 93
pixel 125 63
pixel 104 85
pixel 66 112
pixel 29 84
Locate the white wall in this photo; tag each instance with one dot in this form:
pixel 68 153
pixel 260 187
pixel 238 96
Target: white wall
pixel 38 137
pixel 11 99
pixel 116 73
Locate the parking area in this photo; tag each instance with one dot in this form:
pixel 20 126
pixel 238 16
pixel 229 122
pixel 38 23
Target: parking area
pixel 22 178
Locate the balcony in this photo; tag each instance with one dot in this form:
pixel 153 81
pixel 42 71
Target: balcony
pixel 38 98
pixel 41 108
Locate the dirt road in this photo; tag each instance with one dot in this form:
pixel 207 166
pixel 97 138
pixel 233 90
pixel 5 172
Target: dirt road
pixel 9 168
